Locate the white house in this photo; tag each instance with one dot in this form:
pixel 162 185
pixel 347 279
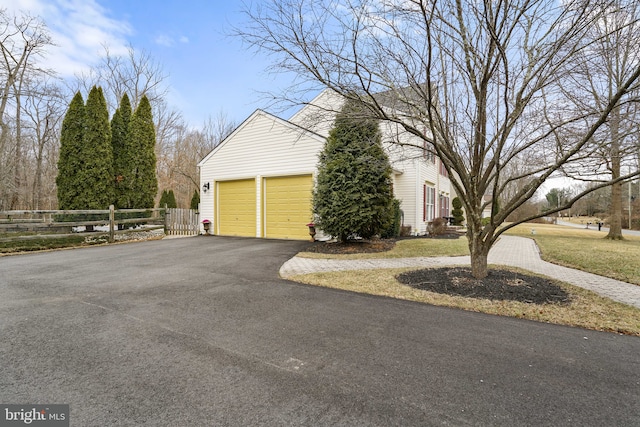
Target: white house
pixel 258 181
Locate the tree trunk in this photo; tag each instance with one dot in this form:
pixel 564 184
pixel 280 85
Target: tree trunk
pixel 615 221
pixel 36 190
pixel 479 250
pixel 17 171
pixel 479 268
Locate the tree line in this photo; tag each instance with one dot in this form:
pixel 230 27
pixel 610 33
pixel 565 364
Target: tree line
pixel 34 101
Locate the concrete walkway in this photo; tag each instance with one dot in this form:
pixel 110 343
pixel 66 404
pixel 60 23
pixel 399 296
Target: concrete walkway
pixel 510 250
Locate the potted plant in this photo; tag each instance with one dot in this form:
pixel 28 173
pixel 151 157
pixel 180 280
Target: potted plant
pixel 207 226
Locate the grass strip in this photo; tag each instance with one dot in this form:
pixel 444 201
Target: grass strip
pixel 41 244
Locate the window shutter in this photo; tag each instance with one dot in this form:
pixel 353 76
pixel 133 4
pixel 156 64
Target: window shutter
pixel 424 202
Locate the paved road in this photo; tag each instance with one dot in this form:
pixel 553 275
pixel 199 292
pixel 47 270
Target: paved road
pixel 594 227
pixel 202 332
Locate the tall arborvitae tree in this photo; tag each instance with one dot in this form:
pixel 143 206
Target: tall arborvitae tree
pixel 164 199
pixel 168 199
pixel 171 199
pixel 143 136
pixel 353 191
pixel 96 174
pixel 70 161
pixel 195 200
pixel 123 154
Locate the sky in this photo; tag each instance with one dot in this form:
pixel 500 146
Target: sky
pixel 209 71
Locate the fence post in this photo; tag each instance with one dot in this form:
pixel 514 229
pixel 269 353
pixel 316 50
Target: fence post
pixel 112 218
pixel 166 219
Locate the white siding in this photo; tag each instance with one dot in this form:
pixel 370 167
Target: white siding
pixel 318 116
pixel 262 146
pixel 412 169
pixel 265 146
pixel 417 169
pixel 404 189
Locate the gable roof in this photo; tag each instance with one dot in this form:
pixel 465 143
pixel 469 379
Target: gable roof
pixel 260 113
pixel 404 99
pixel 405 102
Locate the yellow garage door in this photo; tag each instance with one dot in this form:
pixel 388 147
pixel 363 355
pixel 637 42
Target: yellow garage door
pixel 287 207
pixel 237 208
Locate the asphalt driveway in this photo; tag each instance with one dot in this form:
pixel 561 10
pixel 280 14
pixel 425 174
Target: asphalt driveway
pixel 203 332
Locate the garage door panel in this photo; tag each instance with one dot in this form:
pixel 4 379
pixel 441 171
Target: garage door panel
pixel 288 207
pixel 237 208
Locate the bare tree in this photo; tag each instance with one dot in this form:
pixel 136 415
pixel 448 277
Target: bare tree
pixel 178 148
pixel 593 204
pixel 609 55
pixel 137 74
pixel 182 148
pixel 215 130
pixel 475 74
pixel 44 111
pixel 23 39
pixel 169 125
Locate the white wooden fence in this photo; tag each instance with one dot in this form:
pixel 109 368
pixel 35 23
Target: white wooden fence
pixel 182 222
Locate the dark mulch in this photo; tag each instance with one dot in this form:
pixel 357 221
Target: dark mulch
pixel 499 285
pixel 448 235
pixel 352 247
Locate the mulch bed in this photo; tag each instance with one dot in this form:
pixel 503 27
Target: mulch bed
pixel 352 247
pixel 499 285
pixel 367 246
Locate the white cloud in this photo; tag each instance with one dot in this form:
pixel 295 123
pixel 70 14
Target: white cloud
pixel 164 40
pixel 168 41
pixel 79 28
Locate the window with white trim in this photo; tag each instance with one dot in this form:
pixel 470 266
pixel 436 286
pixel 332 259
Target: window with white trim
pixel 429 207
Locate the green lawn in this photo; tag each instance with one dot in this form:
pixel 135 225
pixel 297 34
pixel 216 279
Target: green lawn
pixel 586 250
